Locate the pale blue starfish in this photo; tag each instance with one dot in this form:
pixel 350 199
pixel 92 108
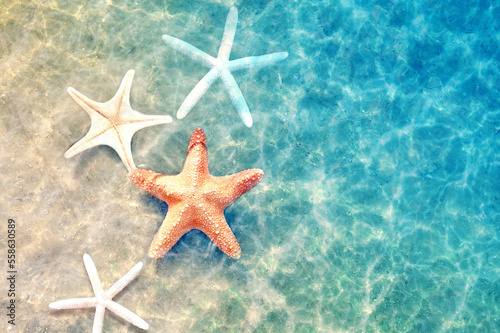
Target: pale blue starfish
pixel 221 68
pixel 114 122
pixel 103 300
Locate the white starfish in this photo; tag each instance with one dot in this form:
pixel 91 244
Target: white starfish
pixel 114 122
pixel 221 68
pixel 103 300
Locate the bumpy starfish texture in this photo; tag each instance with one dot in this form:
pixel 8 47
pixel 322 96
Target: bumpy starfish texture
pixel 113 123
pixel 196 199
pixel 103 300
pixel 221 67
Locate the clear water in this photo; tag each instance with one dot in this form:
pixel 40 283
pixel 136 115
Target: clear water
pixel 379 137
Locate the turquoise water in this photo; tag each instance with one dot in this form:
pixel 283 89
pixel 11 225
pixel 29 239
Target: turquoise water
pixel 378 135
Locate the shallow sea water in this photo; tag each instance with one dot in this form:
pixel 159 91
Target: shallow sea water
pixel 378 135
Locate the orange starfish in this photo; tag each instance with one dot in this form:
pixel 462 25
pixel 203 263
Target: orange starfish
pixel 196 199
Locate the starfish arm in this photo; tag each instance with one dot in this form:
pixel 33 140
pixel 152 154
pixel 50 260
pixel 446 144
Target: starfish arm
pixel 228 37
pixel 92 272
pixel 237 98
pixel 98 318
pixel 137 121
pixel 161 186
pixel 221 235
pixel 121 100
pixel 234 186
pixel 115 138
pixel 124 281
pixel 198 91
pixel 187 49
pixel 121 141
pixel 169 233
pixel 257 62
pixel 124 133
pixel 196 163
pixel 74 303
pixel 93 138
pixel 126 314
pixel 90 106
